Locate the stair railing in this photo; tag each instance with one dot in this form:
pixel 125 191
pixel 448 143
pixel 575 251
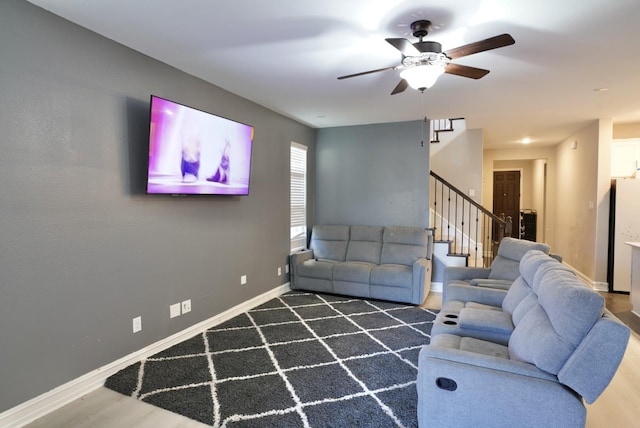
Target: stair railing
pixel 441 125
pixel 472 231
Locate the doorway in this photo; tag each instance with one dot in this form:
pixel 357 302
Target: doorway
pixel 506 197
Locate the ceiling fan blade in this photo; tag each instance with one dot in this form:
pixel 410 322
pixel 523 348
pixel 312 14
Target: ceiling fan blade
pixel 404 46
pixel 480 46
pixel 366 72
pixel 465 71
pixel 400 87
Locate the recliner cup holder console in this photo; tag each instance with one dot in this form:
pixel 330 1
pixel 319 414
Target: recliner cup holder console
pixel 448 319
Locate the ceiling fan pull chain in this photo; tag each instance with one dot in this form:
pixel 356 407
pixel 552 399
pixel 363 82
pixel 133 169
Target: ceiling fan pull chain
pixel 422 132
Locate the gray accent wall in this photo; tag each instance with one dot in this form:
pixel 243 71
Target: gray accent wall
pixel 372 175
pixel 82 249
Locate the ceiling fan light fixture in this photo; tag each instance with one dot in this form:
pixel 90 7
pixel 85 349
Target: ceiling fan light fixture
pixel 422 77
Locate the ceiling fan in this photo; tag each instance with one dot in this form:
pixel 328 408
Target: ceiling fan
pixel 423 62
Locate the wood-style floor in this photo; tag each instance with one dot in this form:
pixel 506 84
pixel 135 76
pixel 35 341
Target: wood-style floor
pixel 618 406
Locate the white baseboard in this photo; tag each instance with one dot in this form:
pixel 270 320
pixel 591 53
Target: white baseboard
pixel 46 403
pixel 436 286
pixel 600 286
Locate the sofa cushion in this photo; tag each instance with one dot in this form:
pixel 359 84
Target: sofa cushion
pixel 365 244
pixel 519 290
pixel 353 272
pixel 329 242
pixel 469 344
pixel 403 245
pixel 521 287
pixel 571 306
pixel 525 305
pixel 515 249
pixel 392 275
pixel 321 269
pixel 476 305
pixel 542 271
pixel 485 320
pixel 506 264
pixel 504 268
pixel 531 261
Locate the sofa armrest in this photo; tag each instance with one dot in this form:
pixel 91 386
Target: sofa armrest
pixel 460 388
pixel 594 363
pixel 503 284
pixel 471 293
pixel 300 257
pixel 456 273
pixel 421 280
pixel 486 320
pixel 296 259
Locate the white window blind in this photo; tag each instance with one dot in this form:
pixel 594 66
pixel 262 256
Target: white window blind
pixel 298 166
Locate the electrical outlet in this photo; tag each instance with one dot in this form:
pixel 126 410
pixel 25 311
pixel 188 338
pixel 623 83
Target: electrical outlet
pixel 279 271
pixel 137 324
pixel 174 310
pixel 186 306
pixel 243 279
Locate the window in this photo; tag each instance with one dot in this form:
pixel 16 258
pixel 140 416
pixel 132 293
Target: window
pixel 298 185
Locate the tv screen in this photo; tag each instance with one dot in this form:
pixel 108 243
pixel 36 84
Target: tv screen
pixel 195 152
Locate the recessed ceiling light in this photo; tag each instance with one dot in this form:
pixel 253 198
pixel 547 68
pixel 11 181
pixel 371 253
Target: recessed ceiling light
pixel 526 140
pixel 600 89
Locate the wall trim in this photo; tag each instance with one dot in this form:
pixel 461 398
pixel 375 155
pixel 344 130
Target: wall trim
pixel 601 286
pixel 436 287
pixel 64 394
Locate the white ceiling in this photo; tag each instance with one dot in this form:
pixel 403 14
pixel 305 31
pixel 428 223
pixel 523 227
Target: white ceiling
pixel 287 54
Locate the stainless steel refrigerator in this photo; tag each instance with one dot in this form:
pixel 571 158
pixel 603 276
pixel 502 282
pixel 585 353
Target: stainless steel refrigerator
pixel 624 226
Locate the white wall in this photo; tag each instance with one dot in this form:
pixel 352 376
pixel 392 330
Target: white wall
pixel 539 199
pixel 603 196
pixel 582 204
pixel 458 159
pixel 625 157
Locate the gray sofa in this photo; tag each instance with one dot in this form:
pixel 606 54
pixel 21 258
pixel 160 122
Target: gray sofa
pixel 503 270
pixel 563 348
pixel 387 263
pixel 487 313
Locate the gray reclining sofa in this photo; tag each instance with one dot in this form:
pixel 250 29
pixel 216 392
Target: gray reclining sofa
pixel 387 263
pixel 503 270
pixel 563 348
pixel 488 313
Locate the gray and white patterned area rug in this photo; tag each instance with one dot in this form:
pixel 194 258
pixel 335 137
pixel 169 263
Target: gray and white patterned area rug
pixel 299 360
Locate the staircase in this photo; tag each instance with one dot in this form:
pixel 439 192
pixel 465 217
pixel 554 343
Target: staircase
pixel 465 233
pixel 441 125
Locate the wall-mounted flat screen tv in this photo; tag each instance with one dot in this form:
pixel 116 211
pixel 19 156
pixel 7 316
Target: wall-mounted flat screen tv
pixel 195 152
